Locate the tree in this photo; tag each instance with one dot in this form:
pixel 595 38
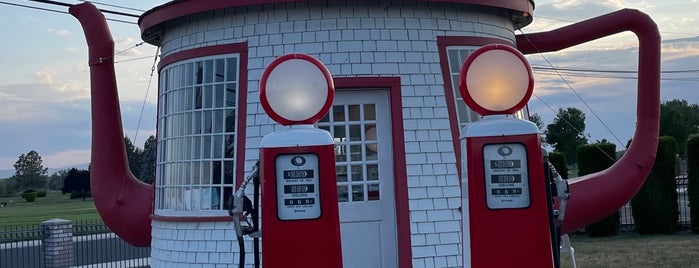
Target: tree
pixel 29 172
pixel 56 179
pixel 148 160
pixel 536 119
pixel 566 132
pixel 679 119
pixel 77 183
pixel 133 154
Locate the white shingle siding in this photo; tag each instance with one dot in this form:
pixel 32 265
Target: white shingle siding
pixel 371 40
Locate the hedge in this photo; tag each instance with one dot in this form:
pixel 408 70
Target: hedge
pixel 593 158
pixel 558 160
pixel 693 180
pixel 655 208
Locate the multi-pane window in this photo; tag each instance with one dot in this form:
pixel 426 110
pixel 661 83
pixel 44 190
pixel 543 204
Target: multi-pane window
pixel 353 127
pixel 457 56
pixel 197 134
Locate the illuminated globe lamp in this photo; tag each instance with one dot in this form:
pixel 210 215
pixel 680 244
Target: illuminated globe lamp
pixel 296 89
pixel 496 80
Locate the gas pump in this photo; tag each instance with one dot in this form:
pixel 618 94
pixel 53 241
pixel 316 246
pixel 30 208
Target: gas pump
pixel 506 209
pixel 300 218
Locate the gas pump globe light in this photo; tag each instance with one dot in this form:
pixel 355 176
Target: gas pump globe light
pixel 296 89
pixel 496 79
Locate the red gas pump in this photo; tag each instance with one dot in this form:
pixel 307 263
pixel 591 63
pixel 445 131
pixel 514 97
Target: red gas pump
pixel 300 218
pixel 505 209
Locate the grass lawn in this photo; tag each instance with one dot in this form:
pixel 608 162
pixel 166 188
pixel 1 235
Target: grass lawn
pixel 54 205
pixel 634 250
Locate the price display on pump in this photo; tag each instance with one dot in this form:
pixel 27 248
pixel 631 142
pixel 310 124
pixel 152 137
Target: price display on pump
pixel 506 176
pixel 297 187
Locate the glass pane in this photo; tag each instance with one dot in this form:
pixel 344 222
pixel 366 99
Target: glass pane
pixel 197 98
pixel 230 121
pixel 355 132
pixel 228 172
pixel 187 173
pixel 454 62
pixel 189 73
pixel 372 172
pixel 357 192
pixel 369 111
pixel 373 192
pixel 217 174
pixel 230 95
pixel 206 172
pixel 341 173
pixel 207 122
pixel 338 113
pixel 326 128
pixel 196 173
pixel 208 96
pixel 232 69
pixel 196 147
pixel 196 122
pixel 199 72
pixel 218 121
pixel 188 124
pixel 462 111
pixel 218 96
pixel 220 67
pixel 357 173
pixel 354 113
pixel 230 146
pixel 218 146
pixel 340 153
pixel 356 152
pixel 342 193
pixel 206 147
pixel 340 134
pixel 208 71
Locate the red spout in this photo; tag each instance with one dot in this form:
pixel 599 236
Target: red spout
pixel 123 202
pixel 598 195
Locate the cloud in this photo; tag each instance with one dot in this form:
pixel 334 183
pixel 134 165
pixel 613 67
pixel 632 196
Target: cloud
pixel 61 33
pixel 66 158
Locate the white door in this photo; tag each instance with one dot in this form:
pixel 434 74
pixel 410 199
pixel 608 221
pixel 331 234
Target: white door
pixel 361 126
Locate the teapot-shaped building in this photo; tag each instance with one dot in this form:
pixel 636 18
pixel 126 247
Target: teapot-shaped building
pixel 395 120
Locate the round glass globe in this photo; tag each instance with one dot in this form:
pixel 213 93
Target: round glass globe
pixel 296 89
pixel 496 79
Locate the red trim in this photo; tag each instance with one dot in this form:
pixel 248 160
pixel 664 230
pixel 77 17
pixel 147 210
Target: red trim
pixel 279 118
pixel 189 219
pixel 442 43
pixel 177 9
pixel 405 257
pixel 242 49
pixel 463 85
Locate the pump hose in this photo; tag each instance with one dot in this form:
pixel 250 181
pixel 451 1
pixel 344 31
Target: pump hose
pixel 241 245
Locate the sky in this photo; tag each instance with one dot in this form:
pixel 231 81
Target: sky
pixel 44 78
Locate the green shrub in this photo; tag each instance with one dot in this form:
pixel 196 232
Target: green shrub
pixel 654 208
pixel 42 193
pixel 558 160
pixel 30 195
pixel 594 158
pixel 693 180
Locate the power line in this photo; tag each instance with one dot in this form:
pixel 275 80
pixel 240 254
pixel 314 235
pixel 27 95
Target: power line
pixel 50 2
pixel 570 86
pixel 539 67
pixel 117 6
pixel 57 11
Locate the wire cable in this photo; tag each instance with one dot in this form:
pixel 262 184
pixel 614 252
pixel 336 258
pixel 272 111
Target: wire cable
pixel 58 11
pixel 570 86
pixel 112 5
pixel 143 106
pixel 50 2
